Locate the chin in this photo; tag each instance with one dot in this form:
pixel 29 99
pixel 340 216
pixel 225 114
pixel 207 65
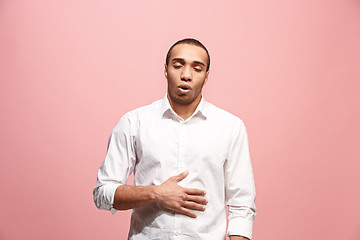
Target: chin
pixel 182 100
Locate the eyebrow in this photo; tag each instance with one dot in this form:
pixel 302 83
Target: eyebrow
pixel 200 63
pixel 183 61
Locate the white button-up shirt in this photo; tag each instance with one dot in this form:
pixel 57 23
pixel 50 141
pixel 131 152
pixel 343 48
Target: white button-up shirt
pixel 155 143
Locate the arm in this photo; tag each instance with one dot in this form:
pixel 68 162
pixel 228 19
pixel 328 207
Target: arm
pixel 118 164
pixel 238 238
pixel 112 193
pixel 239 185
pixel 169 194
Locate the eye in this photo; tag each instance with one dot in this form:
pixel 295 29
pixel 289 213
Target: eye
pixel 177 66
pixel 197 69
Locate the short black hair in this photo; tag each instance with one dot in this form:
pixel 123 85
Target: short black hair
pixel 190 41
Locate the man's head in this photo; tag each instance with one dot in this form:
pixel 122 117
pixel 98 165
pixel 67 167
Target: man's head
pixel 190 41
pixel 186 70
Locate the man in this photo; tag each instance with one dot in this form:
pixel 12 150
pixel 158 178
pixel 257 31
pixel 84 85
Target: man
pixel 190 159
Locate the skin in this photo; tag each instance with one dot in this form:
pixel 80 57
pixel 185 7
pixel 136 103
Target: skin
pixel 187 68
pixel 238 238
pixel 169 194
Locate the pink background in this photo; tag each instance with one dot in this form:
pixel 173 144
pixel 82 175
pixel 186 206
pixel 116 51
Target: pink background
pixel 70 69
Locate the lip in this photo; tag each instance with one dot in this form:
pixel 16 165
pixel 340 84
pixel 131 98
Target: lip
pixel 184 88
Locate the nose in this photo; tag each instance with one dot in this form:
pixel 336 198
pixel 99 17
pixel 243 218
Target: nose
pixel 186 74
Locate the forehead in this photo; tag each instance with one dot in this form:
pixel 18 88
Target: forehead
pixel 189 53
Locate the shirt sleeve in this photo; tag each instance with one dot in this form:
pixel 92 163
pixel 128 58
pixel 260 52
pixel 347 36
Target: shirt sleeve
pixel 239 184
pixel 118 164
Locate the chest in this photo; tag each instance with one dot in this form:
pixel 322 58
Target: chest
pixel 165 148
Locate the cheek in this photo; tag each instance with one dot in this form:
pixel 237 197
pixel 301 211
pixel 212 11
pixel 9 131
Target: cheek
pixel 171 83
pixel 200 83
pixel 171 77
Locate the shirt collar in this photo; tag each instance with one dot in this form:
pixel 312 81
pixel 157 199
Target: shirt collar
pixel 166 109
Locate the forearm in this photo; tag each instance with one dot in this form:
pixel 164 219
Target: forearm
pixel 169 194
pixel 128 197
pixel 238 238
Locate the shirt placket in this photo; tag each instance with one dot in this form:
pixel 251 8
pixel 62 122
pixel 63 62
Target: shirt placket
pixel 180 168
pixel 182 152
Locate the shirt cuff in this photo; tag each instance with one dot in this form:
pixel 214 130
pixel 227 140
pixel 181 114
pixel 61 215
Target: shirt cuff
pixel 111 195
pixel 240 226
pixel 104 197
pixel 113 210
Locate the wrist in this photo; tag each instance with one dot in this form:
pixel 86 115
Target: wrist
pixel 154 194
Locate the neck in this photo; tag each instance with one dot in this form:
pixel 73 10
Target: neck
pixel 184 111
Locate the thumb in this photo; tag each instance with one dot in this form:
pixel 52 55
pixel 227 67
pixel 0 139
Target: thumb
pixel 181 176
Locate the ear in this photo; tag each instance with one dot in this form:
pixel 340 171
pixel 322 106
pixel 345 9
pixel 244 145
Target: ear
pixel 165 70
pixel 206 76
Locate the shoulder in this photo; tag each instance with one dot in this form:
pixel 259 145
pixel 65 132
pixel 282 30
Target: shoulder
pixel 218 114
pixel 134 116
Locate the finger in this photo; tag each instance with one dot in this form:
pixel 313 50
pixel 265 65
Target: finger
pixel 187 212
pixel 193 206
pixel 181 176
pixel 197 199
pixel 195 191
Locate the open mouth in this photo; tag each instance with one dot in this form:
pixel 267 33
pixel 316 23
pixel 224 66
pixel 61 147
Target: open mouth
pixel 184 88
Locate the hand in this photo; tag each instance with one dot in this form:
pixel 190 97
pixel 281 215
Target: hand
pixel 172 196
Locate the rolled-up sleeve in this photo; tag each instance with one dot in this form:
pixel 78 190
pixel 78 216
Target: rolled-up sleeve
pixel 118 164
pixel 239 184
